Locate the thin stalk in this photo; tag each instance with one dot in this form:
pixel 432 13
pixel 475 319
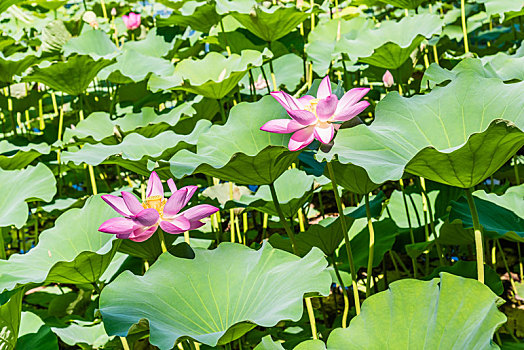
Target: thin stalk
pixel 282 218
pixel 228 48
pixel 371 246
pixel 346 238
pixel 265 79
pixel 321 204
pixel 3 254
pixel 162 240
pixel 464 27
pixel 427 206
pixel 222 110
pixel 411 235
pixel 521 267
pixel 344 292
pixel 478 235
pixel 516 169
pixel 273 78
pixel 311 316
pixel 232 214
pixel 125 345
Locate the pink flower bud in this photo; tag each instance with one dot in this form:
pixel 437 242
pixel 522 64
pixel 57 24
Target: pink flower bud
pixel 113 12
pixel 132 21
pixel 388 80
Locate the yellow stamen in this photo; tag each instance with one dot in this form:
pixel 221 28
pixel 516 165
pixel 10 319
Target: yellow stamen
pixel 155 202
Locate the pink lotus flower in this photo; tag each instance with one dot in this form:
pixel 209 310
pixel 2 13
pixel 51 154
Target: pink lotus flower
pixel 387 79
pixel 141 220
pixel 132 21
pixel 316 117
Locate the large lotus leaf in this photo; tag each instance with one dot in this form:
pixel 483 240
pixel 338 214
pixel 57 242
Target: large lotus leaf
pixel 72 76
pixel 352 178
pixel 20 186
pixel 214 76
pixel 16 157
pixel 73 251
pixel 54 36
pixel 450 313
pixel 327 234
pixel 94 43
pixel 15 64
pixel 100 125
pixel 35 334
pixel 135 150
pixel 497 221
pixel 269 344
pixel 10 320
pixel 293 188
pixel 507 67
pixel 215 297
pixel 406 4
pixel 134 66
pixel 271 24
pixel 391 44
pixel 450 135
pixel 239 151
pixel 224 7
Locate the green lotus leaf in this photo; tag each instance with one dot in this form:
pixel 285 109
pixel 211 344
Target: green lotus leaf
pixel 268 344
pixel 241 6
pixel 94 43
pixel 20 186
pixel 135 150
pixel 15 64
pixel 327 234
pixel 82 332
pixel 507 67
pixel 35 334
pixel 458 143
pixel 10 319
pixel 414 314
pixel 100 126
pixel 239 151
pixel 497 221
pixel 135 66
pixel 73 251
pixel 51 4
pixel 273 23
pixel 16 157
pixel 391 44
pixel 72 77
pixel 293 188
pixel 214 76
pixel 468 269
pixel 199 16
pixel 212 302
pixel 352 178
pixel 5 4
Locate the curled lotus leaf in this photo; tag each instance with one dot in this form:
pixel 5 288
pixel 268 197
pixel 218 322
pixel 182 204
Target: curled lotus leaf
pixel 212 302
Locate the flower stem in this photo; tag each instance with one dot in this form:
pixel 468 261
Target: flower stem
pixel 283 220
pixel 464 28
pixel 346 238
pixel 311 316
pixel 426 205
pixel 512 282
pixel 371 246
pixel 411 235
pixel 344 292
pixel 478 235
pixel 162 241
pixel 222 111
pixel 3 254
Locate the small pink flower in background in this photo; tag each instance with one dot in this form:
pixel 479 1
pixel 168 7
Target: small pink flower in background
pixel 316 117
pixel 132 21
pixel 141 220
pixel 260 83
pixel 387 79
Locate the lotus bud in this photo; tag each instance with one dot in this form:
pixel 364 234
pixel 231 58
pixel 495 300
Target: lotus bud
pixel 113 12
pixel 388 80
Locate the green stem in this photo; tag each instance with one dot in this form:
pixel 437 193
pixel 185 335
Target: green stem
pixel 346 237
pixel 222 110
pixel 162 241
pixel 265 79
pixel 512 282
pixel 464 28
pixel 283 220
pixel 478 235
pixel 411 235
pixel 516 168
pixel 3 254
pixel 432 222
pixel 371 246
